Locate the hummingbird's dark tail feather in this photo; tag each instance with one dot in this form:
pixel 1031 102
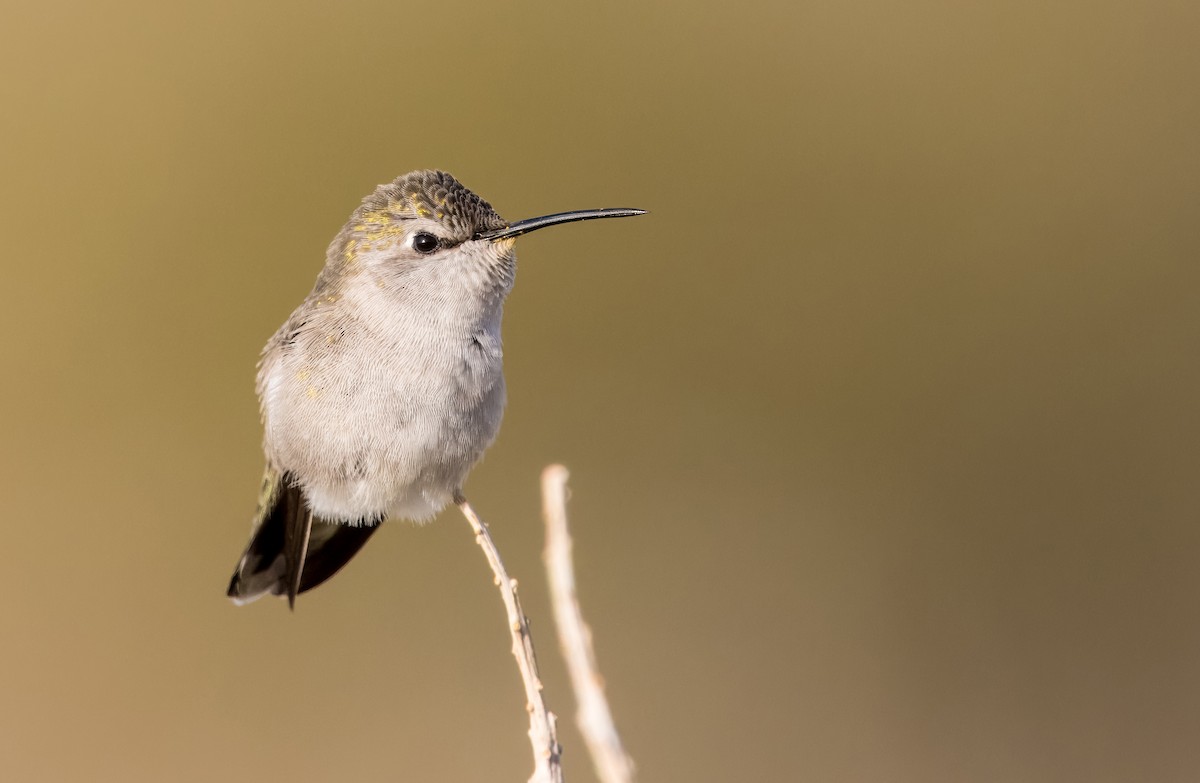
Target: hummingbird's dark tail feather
pixel 296 532
pixel 290 550
pixel 330 547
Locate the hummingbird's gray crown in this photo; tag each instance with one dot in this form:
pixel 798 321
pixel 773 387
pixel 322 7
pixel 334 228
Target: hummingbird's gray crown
pixel 435 195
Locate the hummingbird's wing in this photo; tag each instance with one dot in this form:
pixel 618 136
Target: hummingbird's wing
pixel 291 550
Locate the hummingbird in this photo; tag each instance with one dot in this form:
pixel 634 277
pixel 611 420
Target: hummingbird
pixel 385 386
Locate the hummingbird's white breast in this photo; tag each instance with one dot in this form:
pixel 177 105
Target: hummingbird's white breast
pixel 377 401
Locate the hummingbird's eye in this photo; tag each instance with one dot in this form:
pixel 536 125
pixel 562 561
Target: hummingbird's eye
pixel 425 243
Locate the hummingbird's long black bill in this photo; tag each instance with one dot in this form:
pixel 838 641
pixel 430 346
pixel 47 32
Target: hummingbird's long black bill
pixel 533 224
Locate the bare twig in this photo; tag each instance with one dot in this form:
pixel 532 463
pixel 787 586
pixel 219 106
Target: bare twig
pixel 593 717
pixel 546 750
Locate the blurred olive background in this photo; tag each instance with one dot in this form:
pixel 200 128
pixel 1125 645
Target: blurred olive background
pixel 883 425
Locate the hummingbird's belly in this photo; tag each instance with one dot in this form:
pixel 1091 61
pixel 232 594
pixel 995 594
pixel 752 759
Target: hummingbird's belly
pixel 383 441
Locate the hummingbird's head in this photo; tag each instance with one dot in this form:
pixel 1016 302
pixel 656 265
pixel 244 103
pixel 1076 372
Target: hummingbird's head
pixel 427 223
pixel 416 234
